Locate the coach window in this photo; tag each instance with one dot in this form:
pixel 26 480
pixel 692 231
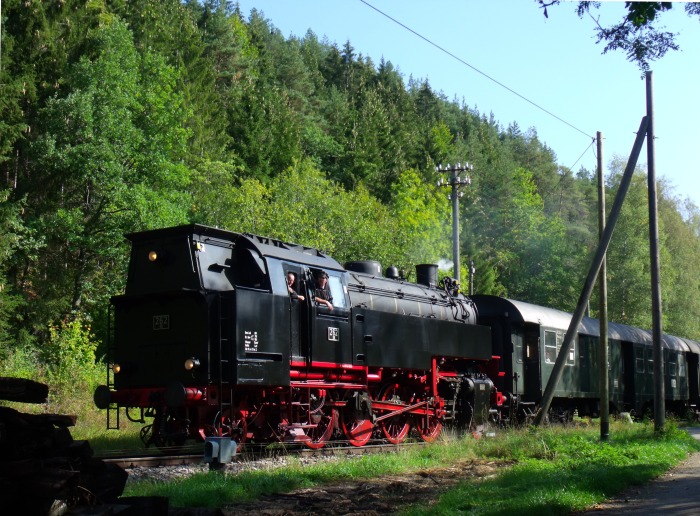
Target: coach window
pixel 672 357
pixel 571 357
pixel 681 365
pixel 517 340
pixel 550 347
pixel 639 360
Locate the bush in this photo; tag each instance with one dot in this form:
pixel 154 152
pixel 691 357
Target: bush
pixel 72 370
pixel 23 362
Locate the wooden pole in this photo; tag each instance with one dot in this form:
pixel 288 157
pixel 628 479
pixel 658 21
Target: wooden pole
pixel 558 369
pixel 659 394
pixel 604 377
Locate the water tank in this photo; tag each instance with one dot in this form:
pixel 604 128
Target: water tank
pixel 365 266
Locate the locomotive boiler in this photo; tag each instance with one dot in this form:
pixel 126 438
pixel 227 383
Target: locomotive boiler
pixel 209 340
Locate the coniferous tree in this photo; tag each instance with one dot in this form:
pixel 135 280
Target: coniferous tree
pixel 115 167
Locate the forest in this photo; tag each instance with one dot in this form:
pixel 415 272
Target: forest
pixel 121 116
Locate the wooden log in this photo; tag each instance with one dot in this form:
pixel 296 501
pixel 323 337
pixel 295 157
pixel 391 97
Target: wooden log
pixel 23 390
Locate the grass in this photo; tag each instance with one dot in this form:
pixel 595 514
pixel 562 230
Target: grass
pixel 103 442
pixel 90 425
pixel 556 471
pixel 561 471
pixel 215 490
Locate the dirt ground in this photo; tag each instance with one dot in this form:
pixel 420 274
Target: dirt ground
pixel 675 492
pixel 368 497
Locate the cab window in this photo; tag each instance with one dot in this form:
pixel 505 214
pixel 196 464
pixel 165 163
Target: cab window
pixel 335 283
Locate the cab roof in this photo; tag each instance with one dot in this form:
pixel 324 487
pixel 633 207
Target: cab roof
pixel 265 246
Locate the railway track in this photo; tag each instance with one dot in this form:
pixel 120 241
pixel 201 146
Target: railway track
pixel 190 455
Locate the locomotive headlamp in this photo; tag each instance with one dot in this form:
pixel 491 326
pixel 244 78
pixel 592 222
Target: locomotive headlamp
pixel 191 363
pixel 152 256
pixel 116 368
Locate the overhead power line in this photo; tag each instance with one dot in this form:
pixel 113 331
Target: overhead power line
pixel 511 90
pixel 582 154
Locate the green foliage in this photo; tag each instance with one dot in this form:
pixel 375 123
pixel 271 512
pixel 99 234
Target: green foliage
pixel 69 358
pixel 628 259
pixel 22 362
pixel 122 116
pixel 299 205
pixel 70 348
pixel 423 219
pixel 681 269
pixel 346 225
pixel 66 363
pixel 109 154
pixel 639 33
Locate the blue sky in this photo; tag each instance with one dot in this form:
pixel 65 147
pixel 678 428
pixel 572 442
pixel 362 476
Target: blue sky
pixel 554 63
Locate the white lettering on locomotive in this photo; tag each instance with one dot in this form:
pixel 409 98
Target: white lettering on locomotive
pixel 333 334
pixel 250 338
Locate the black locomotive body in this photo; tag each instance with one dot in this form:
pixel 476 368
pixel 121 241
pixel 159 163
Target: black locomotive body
pixel 208 341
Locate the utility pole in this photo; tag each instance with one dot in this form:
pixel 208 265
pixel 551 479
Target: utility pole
pixel 455 182
pixel 659 389
pixel 548 394
pixel 604 378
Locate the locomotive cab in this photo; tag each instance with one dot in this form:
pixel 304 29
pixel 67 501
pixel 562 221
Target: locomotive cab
pixel 191 293
pixel 206 315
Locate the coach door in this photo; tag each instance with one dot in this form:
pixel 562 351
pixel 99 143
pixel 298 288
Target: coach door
pixel 330 329
pixel 518 355
pixel 532 390
pixel 693 377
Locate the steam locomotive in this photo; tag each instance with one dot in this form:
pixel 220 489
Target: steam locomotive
pixel 210 339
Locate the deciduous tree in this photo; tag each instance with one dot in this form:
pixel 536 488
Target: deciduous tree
pixel 638 35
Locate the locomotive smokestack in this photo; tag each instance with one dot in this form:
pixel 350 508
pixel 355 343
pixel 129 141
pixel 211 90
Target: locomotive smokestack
pixel 427 274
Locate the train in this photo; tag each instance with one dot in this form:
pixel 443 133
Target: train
pixel 529 338
pixel 226 334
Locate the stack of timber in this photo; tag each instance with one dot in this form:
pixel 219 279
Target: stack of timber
pixel 42 469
